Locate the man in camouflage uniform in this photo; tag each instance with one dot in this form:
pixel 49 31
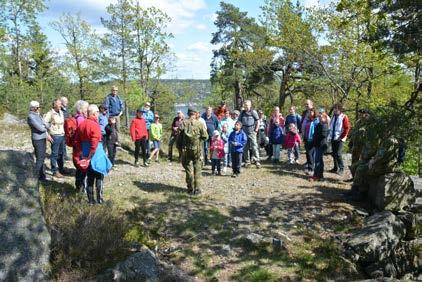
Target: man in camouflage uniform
pixel 358 137
pixel 191 135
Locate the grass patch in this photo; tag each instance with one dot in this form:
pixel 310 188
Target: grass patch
pixel 85 239
pixel 254 273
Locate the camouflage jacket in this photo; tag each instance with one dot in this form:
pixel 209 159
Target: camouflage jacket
pixel 191 133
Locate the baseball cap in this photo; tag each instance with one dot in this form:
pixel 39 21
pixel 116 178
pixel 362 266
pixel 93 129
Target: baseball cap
pixel 34 104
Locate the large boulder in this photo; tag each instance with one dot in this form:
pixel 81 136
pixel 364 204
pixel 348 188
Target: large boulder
pixel 377 239
pixel 393 192
pixel 24 238
pixel 143 266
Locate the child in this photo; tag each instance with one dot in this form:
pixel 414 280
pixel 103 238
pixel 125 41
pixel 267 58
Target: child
pixel 237 141
pixel 139 135
pixel 156 133
pixel 216 152
pixel 225 136
pixel 296 119
pixel 320 145
pixel 276 137
pixel 291 140
pixel 112 138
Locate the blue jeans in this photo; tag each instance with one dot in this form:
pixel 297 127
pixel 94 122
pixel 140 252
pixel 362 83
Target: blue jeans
pixel 236 162
pixel 57 156
pixel 227 159
pixel 215 164
pixel 206 146
pixel 319 162
pixel 276 152
pixel 39 150
pixel 297 152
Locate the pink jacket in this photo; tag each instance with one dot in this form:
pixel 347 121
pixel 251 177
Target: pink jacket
pixel 217 144
pixel 291 139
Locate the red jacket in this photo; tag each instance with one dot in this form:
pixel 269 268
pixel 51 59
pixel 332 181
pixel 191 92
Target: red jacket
pixel 218 145
pixel 88 130
pixel 138 129
pixel 291 139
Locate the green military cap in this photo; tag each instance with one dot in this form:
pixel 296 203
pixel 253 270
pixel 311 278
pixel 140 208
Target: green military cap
pixel 192 110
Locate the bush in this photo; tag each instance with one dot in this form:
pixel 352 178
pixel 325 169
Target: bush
pixel 85 239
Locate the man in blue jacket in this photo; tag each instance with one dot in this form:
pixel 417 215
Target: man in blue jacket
pixel 114 105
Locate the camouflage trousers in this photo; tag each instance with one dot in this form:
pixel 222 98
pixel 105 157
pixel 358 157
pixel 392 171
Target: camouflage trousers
pixel 192 163
pixel 356 152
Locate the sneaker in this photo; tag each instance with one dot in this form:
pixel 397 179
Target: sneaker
pixel 234 175
pixel 333 170
pixel 57 175
pixel 247 165
pixel 146 164
pixel 258 165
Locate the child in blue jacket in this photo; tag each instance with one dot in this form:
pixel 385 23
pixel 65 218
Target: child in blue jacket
pixel 237 141
pixel 277 138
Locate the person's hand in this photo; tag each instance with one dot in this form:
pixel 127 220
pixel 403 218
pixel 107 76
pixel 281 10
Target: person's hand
pixel 343 139
pixel 121 113
pixel 235 143
pixel 50 139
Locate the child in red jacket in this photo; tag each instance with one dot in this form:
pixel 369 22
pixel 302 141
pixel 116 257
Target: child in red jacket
pixel 291 140
pixel 139 135
pixel 216 152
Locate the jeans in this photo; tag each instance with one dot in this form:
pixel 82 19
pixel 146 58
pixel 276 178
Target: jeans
pixel 291 154
pixel 297 151
pixel 98 178
pixel 141 144
pixel 309 148
pixel 216 163
pixel 40 147
pixel 276 152
pixel 319 162
pixel 236 162
pixel 251 144
pixel 337 147
pixel 80 180
pixel 227 159
pixel 57 157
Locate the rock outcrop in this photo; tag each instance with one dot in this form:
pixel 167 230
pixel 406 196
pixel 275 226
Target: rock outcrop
pixel 392 192
pixel 143 266
pixel 24 238
pixel 380 248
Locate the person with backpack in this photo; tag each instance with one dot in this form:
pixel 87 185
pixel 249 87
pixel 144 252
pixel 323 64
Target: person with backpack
pixel 237 142
pixel 296 119
pixel 191 134
pixel 139 135
pixel 90 156
pixel 250 125
pixel 114 105
pixel 112 139
pixel 277 138
pixel 156 135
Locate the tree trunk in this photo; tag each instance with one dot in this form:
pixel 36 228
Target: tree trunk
pixel 283 94
pixel 238 99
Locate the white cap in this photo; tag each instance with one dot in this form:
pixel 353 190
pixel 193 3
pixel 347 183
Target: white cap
pixel 34 104
pixel 216 133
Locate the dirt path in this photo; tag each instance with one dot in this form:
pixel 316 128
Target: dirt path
pixel 234 230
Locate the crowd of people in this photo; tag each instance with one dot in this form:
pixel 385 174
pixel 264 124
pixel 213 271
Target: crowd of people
pixel 219 137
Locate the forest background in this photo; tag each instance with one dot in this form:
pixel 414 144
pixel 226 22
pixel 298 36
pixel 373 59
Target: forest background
pixel 363 54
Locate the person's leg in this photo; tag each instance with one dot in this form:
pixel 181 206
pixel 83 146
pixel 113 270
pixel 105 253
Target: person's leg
pixel 218 163
pixel 117 123
pixel 137 147
pixel 311 151
pixel 255 148
pixel 277 152
pixel 213 163
pixel 297 152
pixel 186 163
pixel 334 148
pixel 340 156
pixel 144 150
pixel 104 140
pixel 90 185
pixel 99 185
pixel 111 149
pixel 197 169
pixel 239 162
pixel 148 146
pixel 54 154
pixel 246 154
pixel 39 151
pixel 318 163
pixel 60 156
pixel 308 158
pixel 170 151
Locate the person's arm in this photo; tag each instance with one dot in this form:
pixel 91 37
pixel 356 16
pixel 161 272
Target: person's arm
pixel 346 128
pixel 133 131
pixel 107 103
pixel 94 139
pixel 37 124
pixel 47 119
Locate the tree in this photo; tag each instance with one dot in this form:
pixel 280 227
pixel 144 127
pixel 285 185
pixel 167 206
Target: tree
pixel 119 40
pixel 235 61
pixel 291 37
pixel 82 46
pixel 17 15
pixel 151 48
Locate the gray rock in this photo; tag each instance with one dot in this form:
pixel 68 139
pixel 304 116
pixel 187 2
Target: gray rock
pixel 11 119
pixel 417 181
pixel 143 266
pixel 409 220
pixel 25 240
pixel 377 239
pixel 393 192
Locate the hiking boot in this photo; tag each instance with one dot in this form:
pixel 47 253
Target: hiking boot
pixel 234 175
pixel 146 164
pixel 57 175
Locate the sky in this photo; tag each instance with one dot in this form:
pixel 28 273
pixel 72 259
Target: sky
pixel 192 25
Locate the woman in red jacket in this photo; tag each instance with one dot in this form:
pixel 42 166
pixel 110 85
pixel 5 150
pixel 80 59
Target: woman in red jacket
pixel 139 135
